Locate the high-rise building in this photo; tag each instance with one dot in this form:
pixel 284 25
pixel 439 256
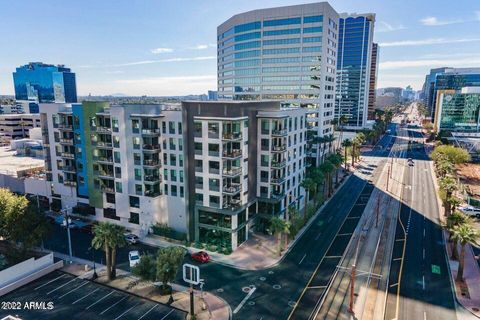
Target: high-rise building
pixel 209 171
pixel 428 88
pixel 458 110
pixel 354 64
pixel 212 95
pixel 373 82
pixel 44 83
pixel 286 54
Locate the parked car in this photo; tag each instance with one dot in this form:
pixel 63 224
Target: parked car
pixel 131 238
pixel 133 258
pixel 470 211
pixel 201 257
pixel 410 162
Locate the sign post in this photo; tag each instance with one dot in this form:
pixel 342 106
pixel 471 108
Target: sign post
pixel 191 275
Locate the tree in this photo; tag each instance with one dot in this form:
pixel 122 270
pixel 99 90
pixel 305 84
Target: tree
pixel 20 223
pixel 346 144
pixel 317 176
pixel 336 160
pixel 444 167
pixel 464 234
pixel 278 227
pixel 449 185
pixel 146 268
pixel 309 185
pixel 453 154
pixel 109 236
pixel 168 262
pixel 327 169
pixel 453 221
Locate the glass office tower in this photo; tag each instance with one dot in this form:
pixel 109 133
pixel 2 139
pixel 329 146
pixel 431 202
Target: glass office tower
pixel 354 68
pixel 287 54
pixel 459 110
pixel 45 83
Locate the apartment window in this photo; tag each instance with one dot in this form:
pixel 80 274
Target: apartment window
pixel 118 187
pixel 265 126
pixel 173 159
pixel 173 175
pixel 173 190
pixel 214 184
pixel 213 149
pixel 264 160
pixel 138 174
pixel 115 125
pixel 134 202
pixel 264 192
pixel 116 156
pixel 296 123
pixel 165 159
pixel 137 159
pixel 116 141
pixel 214 167
pixel 182 192
pixel 179 125
pixel 197 132
pixel 164 127
pixel 180 144
pixel 214 201
pixel 180 160
pixel 198 165
pixel 199 182
pixel 110 197
pixel 172 144
pixel 136 142
pixel 118 172
pixel 135 126
pixel 164 143
pixel 213 130
pixel 198 148
pixel 134 218
pixel 199 198
pixel 265 144
pixel 263 176
pixel 138 189
pixel 165 174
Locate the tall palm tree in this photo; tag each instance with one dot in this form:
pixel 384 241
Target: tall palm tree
pixel 108 236
pixel 309 185
pixel 278 227
pixel 453 221
pixel 449 185
pixel 444 167
pixel 464 234
pixel 346 144
pixel 327 169
pixel 336 160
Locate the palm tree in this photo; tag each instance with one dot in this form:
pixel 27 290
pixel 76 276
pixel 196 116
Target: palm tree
pixel 309 185
pixel 464 234
pixel 327 169
pixel 453 221
pixel 279 226
pixel 346 144
pixel 449 185
pixel 108 236
pixel 336 160
pixel 444 167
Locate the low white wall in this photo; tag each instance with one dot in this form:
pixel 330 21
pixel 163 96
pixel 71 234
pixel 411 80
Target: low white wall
pixel 26 271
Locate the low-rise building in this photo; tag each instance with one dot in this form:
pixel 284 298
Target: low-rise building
pixel 17 126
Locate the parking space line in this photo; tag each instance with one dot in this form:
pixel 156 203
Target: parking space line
pixel 86 282
pixel 148 312
pixel 86 296
pixel 167 314
pixel 63 285
pixel 98 300
pixel 43 285
pixel 126 311
pixel 113 305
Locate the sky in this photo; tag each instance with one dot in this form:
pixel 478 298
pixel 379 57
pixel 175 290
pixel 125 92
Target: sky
pixel 166 47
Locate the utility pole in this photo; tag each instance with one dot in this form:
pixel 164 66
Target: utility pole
pixel 192 309
pixel 68 232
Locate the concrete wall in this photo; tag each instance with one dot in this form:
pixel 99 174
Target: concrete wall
pixel 12 183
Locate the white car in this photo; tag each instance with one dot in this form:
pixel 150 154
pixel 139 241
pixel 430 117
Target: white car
pixel 133 258
pixel 131 238
pixel 470 211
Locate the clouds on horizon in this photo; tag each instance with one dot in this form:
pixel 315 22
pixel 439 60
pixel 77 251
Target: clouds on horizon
pixel 423 42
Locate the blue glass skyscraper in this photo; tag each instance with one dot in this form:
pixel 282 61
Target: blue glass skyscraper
pixel 353 67
pixel 45 83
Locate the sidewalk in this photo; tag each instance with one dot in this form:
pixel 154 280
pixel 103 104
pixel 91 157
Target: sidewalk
pixel 207 307
pixel 259 251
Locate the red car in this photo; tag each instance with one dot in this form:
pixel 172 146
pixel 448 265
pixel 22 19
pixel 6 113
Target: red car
pixel 201 257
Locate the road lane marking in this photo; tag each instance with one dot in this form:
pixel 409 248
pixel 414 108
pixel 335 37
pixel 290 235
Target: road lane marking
pixel 85 296
pixel 423 282
pixel 423 253
pixel 127 311
pixel 302 259
pixel 86 282
pixel 332 257
pixel 344 234
pixel 113 305
pixel 318 236
pixel 63 285
pixel 397 259
pixel 63 275
pixel 148 312
pixel 98 300
pixel 424 315
pixel 317 287
pixel 165 317
pixel 249 294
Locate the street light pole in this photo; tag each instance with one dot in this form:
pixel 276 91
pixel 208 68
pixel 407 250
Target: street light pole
pixel 68 233
pixel 94 275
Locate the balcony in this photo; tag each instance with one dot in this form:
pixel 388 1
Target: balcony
pixel 68 142
pixel 232 204
pixel 70 183
pixel 102 129
pixel 277 180
pixel 277 195
pixel 279 164
pixel 280 148
pixel 232 154
pixel 233 189
pixel 102 144
pixel 152 163
pixel 68 168
pixel 65 127
pixel 232 136
pixel 107 189
pixel 150 179
pixel 151 132
pixel 104 174
pixel 152 193
pixel 103 159
pixel 279 133
pixel 232 172
pixel 67 155
pixel 151 147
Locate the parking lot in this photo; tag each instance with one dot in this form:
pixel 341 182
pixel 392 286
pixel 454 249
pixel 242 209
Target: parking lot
pixel 75 298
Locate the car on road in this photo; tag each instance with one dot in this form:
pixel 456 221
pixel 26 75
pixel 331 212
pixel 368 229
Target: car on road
pixel 133 258
pixel 410 162
pixel 131 238
pixel 201 257
pixel 470 211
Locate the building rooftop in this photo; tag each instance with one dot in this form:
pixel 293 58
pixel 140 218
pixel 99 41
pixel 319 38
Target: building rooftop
pixel 19 166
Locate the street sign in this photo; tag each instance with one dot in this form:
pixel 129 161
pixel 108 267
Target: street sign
pixel 435 269
pixel 191 274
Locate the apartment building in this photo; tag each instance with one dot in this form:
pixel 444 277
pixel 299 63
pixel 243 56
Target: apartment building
pixel 16 126
pixel 286 54
pixel 208 170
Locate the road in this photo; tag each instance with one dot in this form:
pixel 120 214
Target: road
pixel 277 289
pixel 419 282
